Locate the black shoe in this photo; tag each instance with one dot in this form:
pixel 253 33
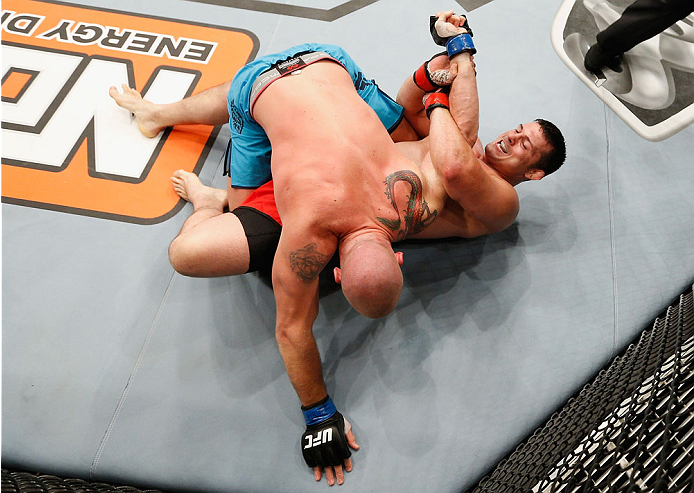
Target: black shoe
pixel 596 59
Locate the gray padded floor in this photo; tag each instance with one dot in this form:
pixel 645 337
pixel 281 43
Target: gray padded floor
pixel 116 368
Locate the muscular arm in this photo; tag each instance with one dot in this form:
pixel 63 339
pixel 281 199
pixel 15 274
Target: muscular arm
pixel 295 282
pixel 410 98
pixel 463 97
pixel 487 199
pixel 465 105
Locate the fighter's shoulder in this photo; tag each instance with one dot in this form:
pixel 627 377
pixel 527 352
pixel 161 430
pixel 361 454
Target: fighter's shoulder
pixel 505 206
pixel 452 221
pixel 493 218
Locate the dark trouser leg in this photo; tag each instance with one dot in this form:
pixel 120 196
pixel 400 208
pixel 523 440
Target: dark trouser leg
pixel 640 21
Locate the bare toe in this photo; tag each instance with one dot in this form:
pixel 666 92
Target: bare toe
pixel 189 187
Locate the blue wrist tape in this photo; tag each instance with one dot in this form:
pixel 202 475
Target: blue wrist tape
pixel 319 413
pixel 458 44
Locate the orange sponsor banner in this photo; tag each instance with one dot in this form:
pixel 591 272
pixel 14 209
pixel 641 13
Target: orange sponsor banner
pixel 66 145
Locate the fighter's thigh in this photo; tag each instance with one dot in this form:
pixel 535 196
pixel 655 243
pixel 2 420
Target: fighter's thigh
pixel 216 247
pixel 405 131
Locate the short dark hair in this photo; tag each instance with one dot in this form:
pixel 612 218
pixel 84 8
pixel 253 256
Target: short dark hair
pixel 551 161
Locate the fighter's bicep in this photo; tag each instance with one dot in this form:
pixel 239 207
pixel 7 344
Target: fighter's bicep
pixel 491 204
pixel 298 262
pixel 300 258
pixel 305 258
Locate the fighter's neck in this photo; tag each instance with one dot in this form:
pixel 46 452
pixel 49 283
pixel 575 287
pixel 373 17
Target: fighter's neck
pixel 492 171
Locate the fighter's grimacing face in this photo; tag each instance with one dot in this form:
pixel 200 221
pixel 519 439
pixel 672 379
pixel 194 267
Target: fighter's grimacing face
pixel 521 147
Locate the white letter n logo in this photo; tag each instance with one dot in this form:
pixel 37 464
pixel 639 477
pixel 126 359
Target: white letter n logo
pixel 68 100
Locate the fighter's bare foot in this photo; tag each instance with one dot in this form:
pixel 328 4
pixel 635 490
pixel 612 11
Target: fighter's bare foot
pixel 143 110
pixel 189 187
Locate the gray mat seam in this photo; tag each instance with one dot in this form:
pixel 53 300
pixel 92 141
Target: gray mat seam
pixel 613 249
pixel 131 378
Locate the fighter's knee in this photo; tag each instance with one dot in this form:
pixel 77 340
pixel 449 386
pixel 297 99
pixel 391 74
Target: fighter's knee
pixel 182 256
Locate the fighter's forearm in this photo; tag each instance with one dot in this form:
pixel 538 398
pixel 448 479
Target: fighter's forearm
pixel 302 362
pixel 464 100
pixel 410 98
pixel 452 156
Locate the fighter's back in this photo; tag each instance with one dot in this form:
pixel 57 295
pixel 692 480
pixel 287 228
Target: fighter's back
pixel 333 162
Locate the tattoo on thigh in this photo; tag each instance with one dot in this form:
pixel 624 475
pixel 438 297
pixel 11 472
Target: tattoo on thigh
pixel 307 263
pixel 417 214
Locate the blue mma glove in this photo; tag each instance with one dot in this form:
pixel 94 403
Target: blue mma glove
pixel 324 442
pixel 442 33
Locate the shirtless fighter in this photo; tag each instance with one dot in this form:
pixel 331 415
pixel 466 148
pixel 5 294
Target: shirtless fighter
pixel 342 184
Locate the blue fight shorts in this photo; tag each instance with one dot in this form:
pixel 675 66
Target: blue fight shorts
pixel 247 160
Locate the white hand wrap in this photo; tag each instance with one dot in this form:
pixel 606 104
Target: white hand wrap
pixel 442 77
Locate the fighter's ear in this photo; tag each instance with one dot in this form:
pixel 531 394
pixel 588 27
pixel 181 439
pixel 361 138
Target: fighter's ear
pixel 400 257
pixel 534 174
pixel 338 275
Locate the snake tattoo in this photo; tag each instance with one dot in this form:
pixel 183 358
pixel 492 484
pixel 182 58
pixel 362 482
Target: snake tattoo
pixel 417 214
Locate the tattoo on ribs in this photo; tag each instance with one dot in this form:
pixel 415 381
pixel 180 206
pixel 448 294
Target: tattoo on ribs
pixel 307 263
pixel 417 214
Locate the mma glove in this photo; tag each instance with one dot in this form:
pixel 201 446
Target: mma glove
pixel 446 34
pixel 429 81
pixel 324 443
pixel 438 99
pixel 444 31
pixel 460 44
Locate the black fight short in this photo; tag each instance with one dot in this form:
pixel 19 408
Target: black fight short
pixel 263 234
